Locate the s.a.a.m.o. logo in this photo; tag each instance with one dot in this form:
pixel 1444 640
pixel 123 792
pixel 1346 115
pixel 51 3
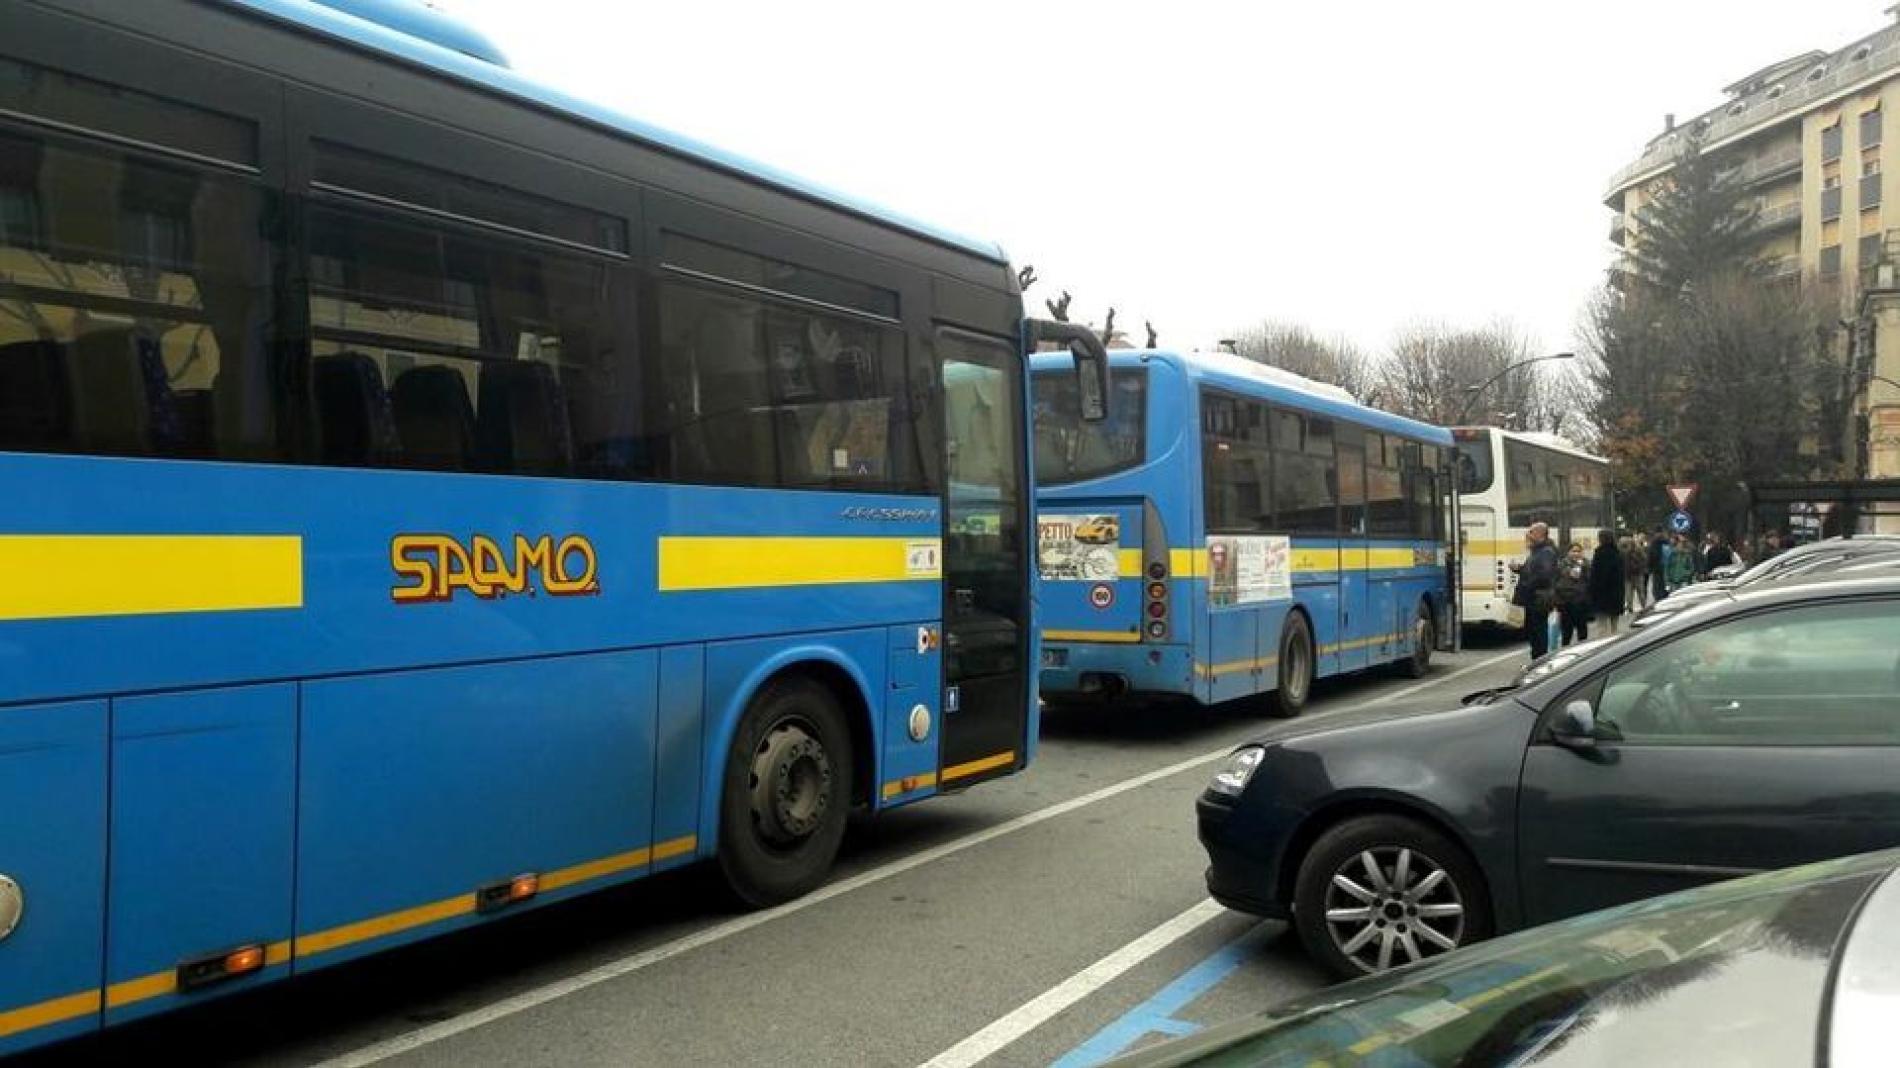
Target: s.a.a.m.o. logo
pixel 435 567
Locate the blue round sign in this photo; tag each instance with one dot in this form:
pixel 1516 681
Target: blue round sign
pixel 1681 522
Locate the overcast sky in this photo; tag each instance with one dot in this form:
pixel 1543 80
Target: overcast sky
pixel 1351 166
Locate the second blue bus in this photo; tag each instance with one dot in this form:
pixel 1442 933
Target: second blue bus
pixel 1233 531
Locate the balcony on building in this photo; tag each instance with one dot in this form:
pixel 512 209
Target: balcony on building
pixel 1770 166
pixel 1778 217
pixel 1618 226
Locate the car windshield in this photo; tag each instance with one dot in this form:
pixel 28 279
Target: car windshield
pixel 1746 960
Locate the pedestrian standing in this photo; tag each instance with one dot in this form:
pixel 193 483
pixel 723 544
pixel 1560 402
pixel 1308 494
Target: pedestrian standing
pixel 1719 555
pixel 1658 565
pixel 1536 586
pixel 1635 573
pixel 1573 595
pixel 1680 565
pixel 1609 590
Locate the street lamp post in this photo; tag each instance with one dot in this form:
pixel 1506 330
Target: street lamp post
pixel 1473 392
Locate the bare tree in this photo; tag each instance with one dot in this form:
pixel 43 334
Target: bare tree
pixel 1293 347
pixel 1443 374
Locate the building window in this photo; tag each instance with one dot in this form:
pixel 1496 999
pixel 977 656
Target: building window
pixel 1738 107
pixel 1869 249
pixel 1861 53
pixel 1775 93
pixel 1870 127
pixel 1870 189
pixel 1831 201
pixel 1831 142
pixel 1817 73
pixel 1831 261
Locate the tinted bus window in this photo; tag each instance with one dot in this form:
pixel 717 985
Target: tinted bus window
pixel 1474 464
pixel 1070 450
pixel 762 395
pixel 1305 482
pixel 1236 469
pixel 437 347
pixel 135 306
pixel 1387 471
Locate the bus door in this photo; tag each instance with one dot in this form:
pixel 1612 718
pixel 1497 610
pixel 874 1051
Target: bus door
pixel 1360 619
pixel 1448 532
pixel 985 569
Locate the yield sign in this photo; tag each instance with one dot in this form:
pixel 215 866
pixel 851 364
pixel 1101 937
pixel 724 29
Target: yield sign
pixel 1682 496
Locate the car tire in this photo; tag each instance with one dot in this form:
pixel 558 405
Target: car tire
pixel 1399 924
pixel 1424 637
pixel 787 793
pixel 1295 667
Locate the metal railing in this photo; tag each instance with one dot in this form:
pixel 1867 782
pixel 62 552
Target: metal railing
pixel 1777 216
pixel 1795 97
pixel 1770 165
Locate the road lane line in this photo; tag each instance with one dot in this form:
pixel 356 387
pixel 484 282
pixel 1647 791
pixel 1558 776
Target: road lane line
pixel 1159 1014
pixel 1044 1006
pixel 378 1052
pixel 1408 691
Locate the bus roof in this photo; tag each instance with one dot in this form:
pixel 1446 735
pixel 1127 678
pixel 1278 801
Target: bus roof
pixel 1535 437
pixel 1237 373
pixel 455 51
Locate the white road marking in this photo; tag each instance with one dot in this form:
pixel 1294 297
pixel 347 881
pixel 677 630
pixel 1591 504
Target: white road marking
pixel 378 1052
pixel 1044 1006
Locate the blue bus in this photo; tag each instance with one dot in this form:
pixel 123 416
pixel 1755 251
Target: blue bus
pixel 1233 530
pixel 429 496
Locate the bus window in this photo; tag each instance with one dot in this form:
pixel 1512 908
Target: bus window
pixel 133 319
pixel 1474 464
pixel 1387 475
pixel 1305 482
pixel 1070 449
pixel 432 347
pixel 1235 471
pixel 763 395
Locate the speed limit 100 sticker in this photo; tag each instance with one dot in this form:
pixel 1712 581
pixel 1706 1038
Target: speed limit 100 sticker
pixel 1101 595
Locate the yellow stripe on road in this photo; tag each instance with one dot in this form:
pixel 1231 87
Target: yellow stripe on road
pixel 977 767
pixel 733 563
pixel 65 576
pixel 1121 636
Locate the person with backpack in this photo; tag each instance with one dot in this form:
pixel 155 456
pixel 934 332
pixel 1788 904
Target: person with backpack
pixel 1680 565
pixel 1635 573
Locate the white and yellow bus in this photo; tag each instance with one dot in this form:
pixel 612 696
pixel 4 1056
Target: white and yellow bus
pixel 1509 479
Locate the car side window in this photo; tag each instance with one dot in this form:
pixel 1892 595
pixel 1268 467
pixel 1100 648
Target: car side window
pixel 1825 674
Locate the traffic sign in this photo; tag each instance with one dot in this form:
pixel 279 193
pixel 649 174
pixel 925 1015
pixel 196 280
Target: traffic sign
pixel 1681 522
pixel 1683 495
pixel 1102 595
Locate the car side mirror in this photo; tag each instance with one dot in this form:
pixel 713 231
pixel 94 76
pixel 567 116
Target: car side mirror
pixel 1575 726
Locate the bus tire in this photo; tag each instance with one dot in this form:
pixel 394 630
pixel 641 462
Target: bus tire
pixel 1295 666
pixel 1424 637
pixel 787 793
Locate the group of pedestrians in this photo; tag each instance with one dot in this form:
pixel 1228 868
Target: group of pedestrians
pixel 1621 575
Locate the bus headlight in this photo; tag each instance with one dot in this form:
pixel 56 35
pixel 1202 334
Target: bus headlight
pixel 1232 779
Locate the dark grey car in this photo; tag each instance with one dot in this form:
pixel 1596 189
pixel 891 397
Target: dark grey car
pixel 1753 732
pixel 1799 967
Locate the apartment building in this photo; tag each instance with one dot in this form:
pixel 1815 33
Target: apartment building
pixel 1813 139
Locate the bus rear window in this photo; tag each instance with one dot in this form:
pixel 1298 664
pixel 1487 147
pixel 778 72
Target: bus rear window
pixel 1070 450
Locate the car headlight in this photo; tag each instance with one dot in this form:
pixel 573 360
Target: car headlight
pixel 1232 778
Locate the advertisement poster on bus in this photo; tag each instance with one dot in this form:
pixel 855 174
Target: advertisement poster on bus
pixel 1247 569
pixel 1078 548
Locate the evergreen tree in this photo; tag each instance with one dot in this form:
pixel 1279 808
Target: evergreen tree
pixel 1700 224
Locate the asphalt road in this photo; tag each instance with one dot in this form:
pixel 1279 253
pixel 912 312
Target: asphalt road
pixel 1055 917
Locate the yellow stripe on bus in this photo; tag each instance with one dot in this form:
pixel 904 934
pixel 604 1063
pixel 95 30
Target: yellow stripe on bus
pixel 159 984
pixel 732 563
pixel 1122 636
pixel 909 783
pixel 1129 561
pixel 977 767
pixel 63 576
pixel 51 1011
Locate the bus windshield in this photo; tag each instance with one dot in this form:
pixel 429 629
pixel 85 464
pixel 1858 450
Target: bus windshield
pixel 1068 449
pixel 1474 463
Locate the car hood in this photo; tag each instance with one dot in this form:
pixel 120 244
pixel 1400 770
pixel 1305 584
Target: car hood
pixel 1340 723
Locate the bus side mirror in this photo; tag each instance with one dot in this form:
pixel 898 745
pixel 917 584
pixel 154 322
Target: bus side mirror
pixel 1091 363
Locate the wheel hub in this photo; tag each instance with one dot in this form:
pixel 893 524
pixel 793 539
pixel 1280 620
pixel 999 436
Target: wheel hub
pixel 791 784
pixel 1392 905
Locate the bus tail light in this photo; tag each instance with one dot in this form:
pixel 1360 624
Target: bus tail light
pixel 204 971
pixel 1157 609
pixel 1157 630
pixel 1157 591
pixel 503 894
pixel 1157 571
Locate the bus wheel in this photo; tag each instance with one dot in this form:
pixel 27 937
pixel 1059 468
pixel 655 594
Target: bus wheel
pixel 1424 636
pixel 1295 667
pixel 787 793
